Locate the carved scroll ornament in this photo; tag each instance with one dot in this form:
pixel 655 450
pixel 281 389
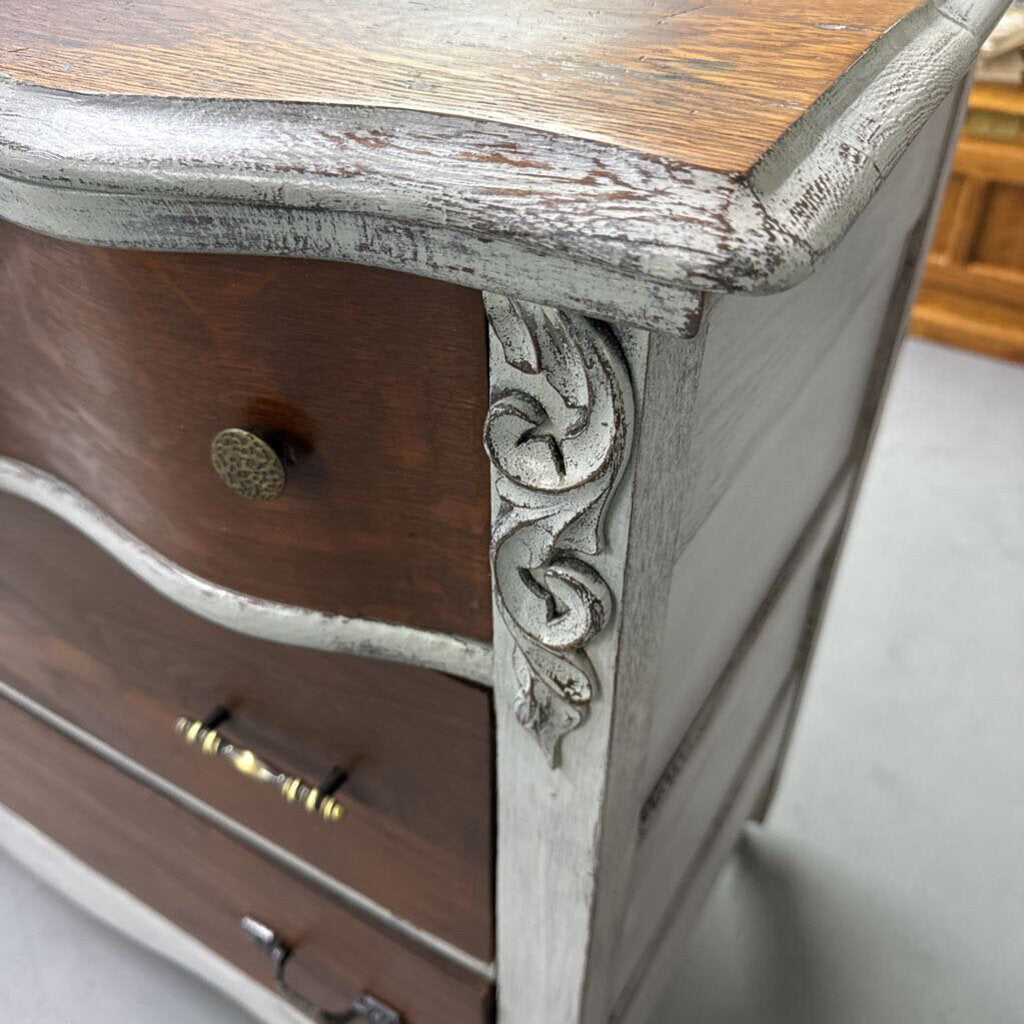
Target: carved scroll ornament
pixel 558 432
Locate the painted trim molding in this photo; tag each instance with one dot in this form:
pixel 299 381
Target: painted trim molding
pixel 426 197
pixel 252 616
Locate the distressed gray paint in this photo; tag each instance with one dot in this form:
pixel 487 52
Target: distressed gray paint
pixel 685 800
pixel 566 837
pixel 269 620
pixel 644 958
pixel 780 398
pixel 558 434
pixel 299 179
pixel 738 803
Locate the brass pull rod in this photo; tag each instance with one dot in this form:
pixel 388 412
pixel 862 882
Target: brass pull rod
pixel 315 799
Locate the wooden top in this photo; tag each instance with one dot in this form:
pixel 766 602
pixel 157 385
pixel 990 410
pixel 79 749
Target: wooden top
pixel 615 160
pixel 708 84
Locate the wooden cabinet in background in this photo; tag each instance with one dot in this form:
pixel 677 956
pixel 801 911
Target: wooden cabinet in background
pixel 973 290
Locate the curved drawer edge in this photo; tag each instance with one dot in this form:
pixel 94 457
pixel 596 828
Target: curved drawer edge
pixel 252 616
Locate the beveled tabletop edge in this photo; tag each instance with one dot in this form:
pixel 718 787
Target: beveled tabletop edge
pixel 572 222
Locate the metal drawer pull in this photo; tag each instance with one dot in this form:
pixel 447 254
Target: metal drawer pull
pixel 315 799
pixel 366 1008
pixel 248 463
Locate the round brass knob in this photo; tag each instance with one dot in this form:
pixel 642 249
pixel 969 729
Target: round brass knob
pixel 248 464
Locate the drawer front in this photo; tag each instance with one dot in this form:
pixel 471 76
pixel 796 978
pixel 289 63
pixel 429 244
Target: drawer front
pixel 206 881
pixel 85 638
pixel 119 368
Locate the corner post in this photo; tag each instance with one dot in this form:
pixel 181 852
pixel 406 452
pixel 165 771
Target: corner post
pixel 587 434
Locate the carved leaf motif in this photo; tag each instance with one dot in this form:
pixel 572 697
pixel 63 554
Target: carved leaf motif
pixel 542 710
pixel 558 432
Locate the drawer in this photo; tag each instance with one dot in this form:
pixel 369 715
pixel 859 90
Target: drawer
pixel 120 367
pixel 206 881
pixel 83 637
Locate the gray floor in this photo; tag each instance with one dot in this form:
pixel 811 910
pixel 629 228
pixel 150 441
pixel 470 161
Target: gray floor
pixel 888 884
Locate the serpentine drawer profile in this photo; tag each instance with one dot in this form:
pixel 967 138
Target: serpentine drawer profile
pixel 427 433
pixel 98 647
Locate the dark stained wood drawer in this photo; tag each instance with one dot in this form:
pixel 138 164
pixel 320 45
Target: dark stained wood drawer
pixel 120 367
pixel 85 638
pixel 206 881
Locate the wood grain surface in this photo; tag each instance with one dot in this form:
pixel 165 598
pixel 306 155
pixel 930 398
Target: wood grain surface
pixel 82 636
pixel 708 84
pixel 582 223
pixel 119 368
pixel 206 881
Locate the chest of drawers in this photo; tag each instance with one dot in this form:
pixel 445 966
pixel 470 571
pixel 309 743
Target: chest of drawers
pixel 426 437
